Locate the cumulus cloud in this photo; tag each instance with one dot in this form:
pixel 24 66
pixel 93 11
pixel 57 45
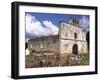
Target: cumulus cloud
pixel 84 22
pixel 35 28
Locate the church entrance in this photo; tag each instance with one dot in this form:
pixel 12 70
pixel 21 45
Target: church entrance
pixel 75 49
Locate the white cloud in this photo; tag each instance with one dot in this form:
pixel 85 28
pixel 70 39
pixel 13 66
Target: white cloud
pixel 35 28
pixel 50 27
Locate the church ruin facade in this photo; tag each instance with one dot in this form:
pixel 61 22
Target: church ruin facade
pixel 71 39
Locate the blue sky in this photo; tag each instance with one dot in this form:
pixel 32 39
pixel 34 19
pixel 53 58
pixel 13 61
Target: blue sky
pixel 56 18
pixel 45 24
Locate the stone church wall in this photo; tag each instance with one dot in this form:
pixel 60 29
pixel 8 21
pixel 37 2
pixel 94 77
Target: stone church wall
pixel 68 38
pixel 50 43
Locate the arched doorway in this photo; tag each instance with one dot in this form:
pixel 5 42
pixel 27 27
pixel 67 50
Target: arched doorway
pixel 75 49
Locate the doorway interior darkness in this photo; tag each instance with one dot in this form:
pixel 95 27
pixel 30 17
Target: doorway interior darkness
pixel 75 49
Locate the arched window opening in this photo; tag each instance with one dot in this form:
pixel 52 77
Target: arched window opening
pixel 75 35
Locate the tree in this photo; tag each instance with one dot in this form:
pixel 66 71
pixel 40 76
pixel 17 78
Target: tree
pixel 88 39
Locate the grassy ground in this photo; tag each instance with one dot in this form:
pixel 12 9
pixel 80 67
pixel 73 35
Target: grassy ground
pixel 53 60
pixel 83 59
